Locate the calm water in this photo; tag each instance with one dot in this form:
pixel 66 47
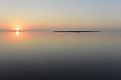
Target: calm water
pixel 60 56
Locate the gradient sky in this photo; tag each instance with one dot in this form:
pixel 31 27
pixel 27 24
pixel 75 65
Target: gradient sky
pixel 80 14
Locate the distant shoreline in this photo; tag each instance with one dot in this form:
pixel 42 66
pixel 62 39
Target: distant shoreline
pixel 45 30
pixel 77 31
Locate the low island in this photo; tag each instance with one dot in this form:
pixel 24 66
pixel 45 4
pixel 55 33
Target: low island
pixel 75 31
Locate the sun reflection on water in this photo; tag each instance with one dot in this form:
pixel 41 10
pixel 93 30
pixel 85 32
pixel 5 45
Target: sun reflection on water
pixel 17 33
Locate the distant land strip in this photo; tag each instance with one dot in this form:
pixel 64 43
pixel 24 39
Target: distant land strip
pixel 76 31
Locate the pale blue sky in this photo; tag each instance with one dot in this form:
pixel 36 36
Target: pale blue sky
pixel 78 13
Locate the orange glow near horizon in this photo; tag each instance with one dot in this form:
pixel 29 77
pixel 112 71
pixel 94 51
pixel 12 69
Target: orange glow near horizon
pixel 14 26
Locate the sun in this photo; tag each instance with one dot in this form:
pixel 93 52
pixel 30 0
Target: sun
pixel 17 29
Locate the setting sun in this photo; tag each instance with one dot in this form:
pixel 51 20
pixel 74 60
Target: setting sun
pixel 17 29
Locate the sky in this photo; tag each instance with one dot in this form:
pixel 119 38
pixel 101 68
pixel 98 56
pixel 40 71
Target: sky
pixel 61 14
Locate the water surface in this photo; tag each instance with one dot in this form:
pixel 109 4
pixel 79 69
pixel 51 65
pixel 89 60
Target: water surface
pixel 70 56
